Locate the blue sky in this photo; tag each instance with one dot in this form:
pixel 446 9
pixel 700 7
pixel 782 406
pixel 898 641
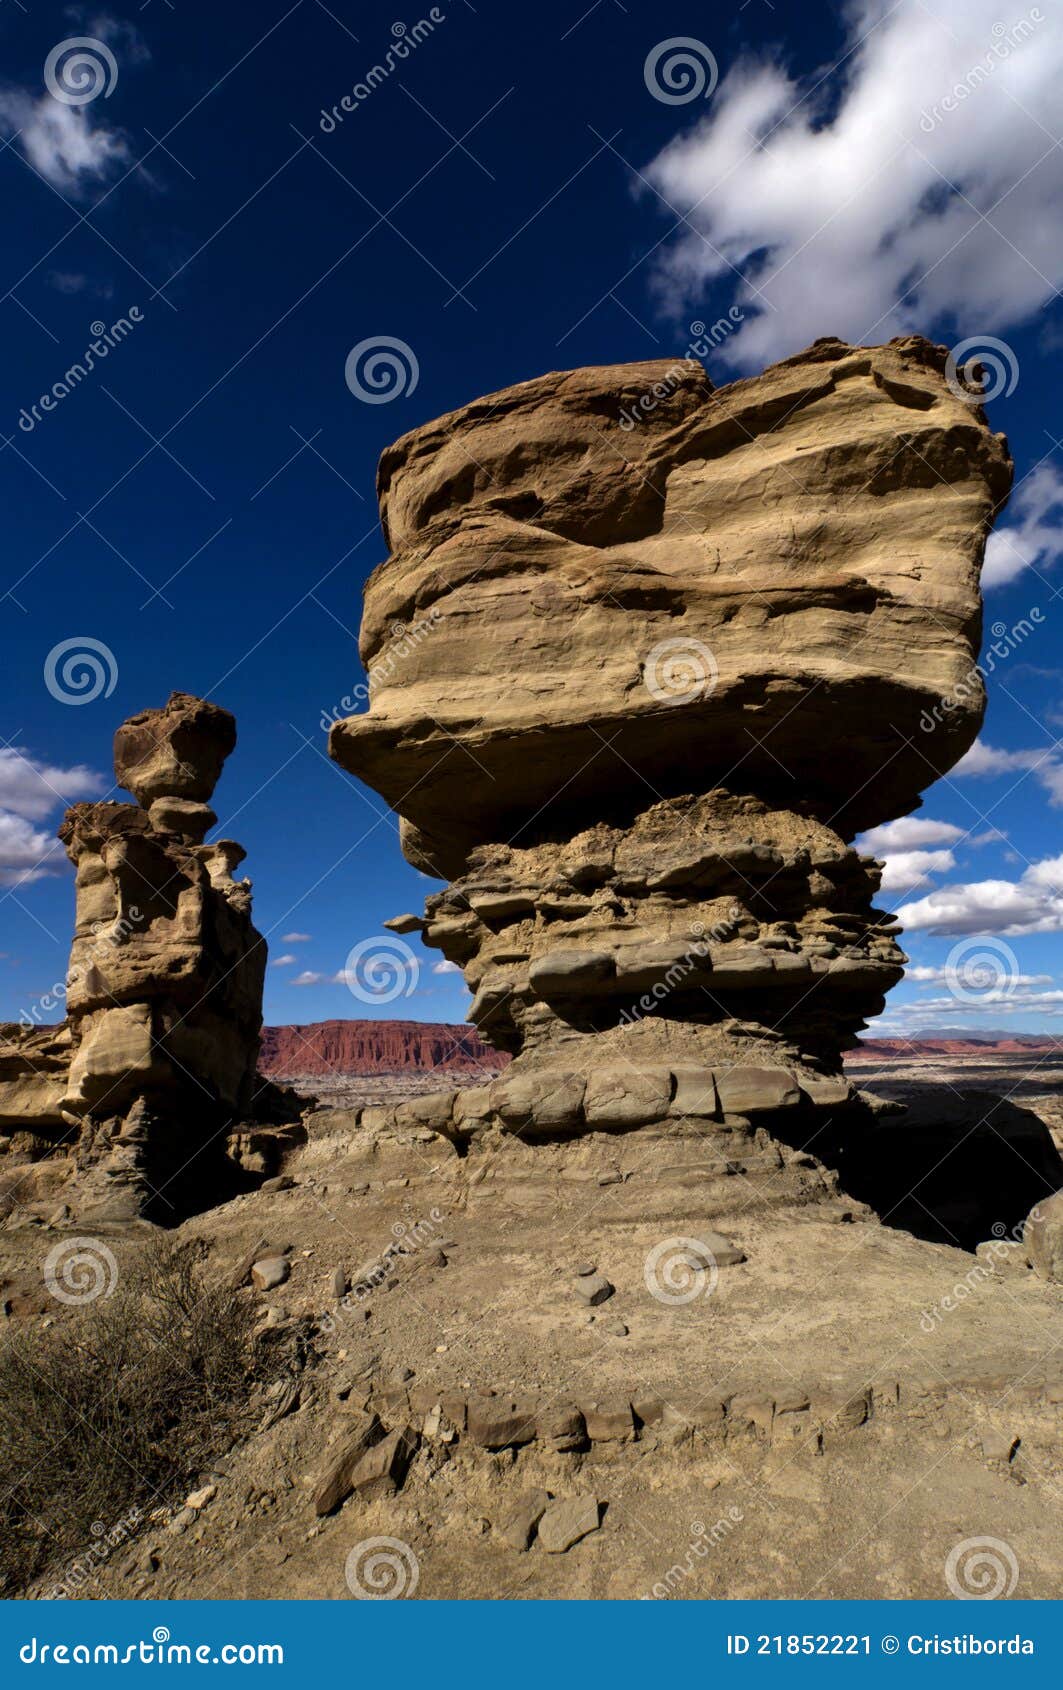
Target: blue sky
pixel 513 196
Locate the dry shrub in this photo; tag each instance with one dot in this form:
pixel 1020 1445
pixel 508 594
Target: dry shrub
pixel 117 1407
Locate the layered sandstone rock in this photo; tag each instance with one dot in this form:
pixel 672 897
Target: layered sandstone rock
pixel 666 649
pixel 164 991
pixel 146 1102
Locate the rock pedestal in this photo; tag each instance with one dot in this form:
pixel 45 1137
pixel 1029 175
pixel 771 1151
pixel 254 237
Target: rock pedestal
pixel 164 992
pixel 663 650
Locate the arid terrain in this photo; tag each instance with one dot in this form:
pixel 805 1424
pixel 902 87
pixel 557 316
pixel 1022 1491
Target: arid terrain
pixel 832 1416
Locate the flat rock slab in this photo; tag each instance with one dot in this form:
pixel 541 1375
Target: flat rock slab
pixel 518 1528
pixel 564 1523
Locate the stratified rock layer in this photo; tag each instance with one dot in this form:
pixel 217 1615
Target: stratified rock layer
pixel 739 589
pixel 665 649
pixel 164 992
pixel 374 1047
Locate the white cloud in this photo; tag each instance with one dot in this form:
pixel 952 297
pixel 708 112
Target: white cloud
pixel 903 870
pixel 66 144
pixel 29 791
pixel 858 204
pixel 282 961
pixel 1032 537
pixel 1044 764
pixel 71 146
pixel 445 967
pixel 938 976
pixel 26 852
pixel 34 789
pixel 906 833
pixel 295 938
pixel 308 978
pixel 1032 904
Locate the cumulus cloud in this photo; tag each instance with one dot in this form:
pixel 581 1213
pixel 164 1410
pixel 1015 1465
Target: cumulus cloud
pixel 914 184
pixel 29 792
pixel 904 870
pixel 445 967
pixel 923 975
pixel 282 961
pixel 907 833
pixel 1032 537
pixel 308 978
pixel 295 938
pixel 34 789
pixel 1044 764
pixel 1032 904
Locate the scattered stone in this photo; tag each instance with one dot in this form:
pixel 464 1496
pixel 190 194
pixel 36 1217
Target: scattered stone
pixel 998 1446
pixel 518 1527
pixel 279 1182
pixel 337 1481
pixel 594 1288
pixel 584 1269
pixel 272 1271
pixel 565 1523
pixel 382 1468
pixel 341 1283
pixel 198 1499
pixel 615 1328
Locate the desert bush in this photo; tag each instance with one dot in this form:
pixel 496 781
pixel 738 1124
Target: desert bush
pixel 117 1407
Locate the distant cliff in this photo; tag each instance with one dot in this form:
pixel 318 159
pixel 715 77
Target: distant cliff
pixel 375 1047
pixel 952 1044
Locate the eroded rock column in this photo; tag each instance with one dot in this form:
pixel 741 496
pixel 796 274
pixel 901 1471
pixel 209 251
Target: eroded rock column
pixel 166 970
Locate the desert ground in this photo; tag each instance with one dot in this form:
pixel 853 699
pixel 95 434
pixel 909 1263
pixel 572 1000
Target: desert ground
pixel 838 1413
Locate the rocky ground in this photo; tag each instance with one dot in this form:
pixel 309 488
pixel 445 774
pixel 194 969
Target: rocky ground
pixel 838 1413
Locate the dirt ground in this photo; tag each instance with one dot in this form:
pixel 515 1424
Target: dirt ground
pixel 847 1412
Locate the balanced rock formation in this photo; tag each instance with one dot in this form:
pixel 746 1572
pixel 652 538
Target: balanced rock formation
pixel 666 650
pixel 164 991
pixel 149 1086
